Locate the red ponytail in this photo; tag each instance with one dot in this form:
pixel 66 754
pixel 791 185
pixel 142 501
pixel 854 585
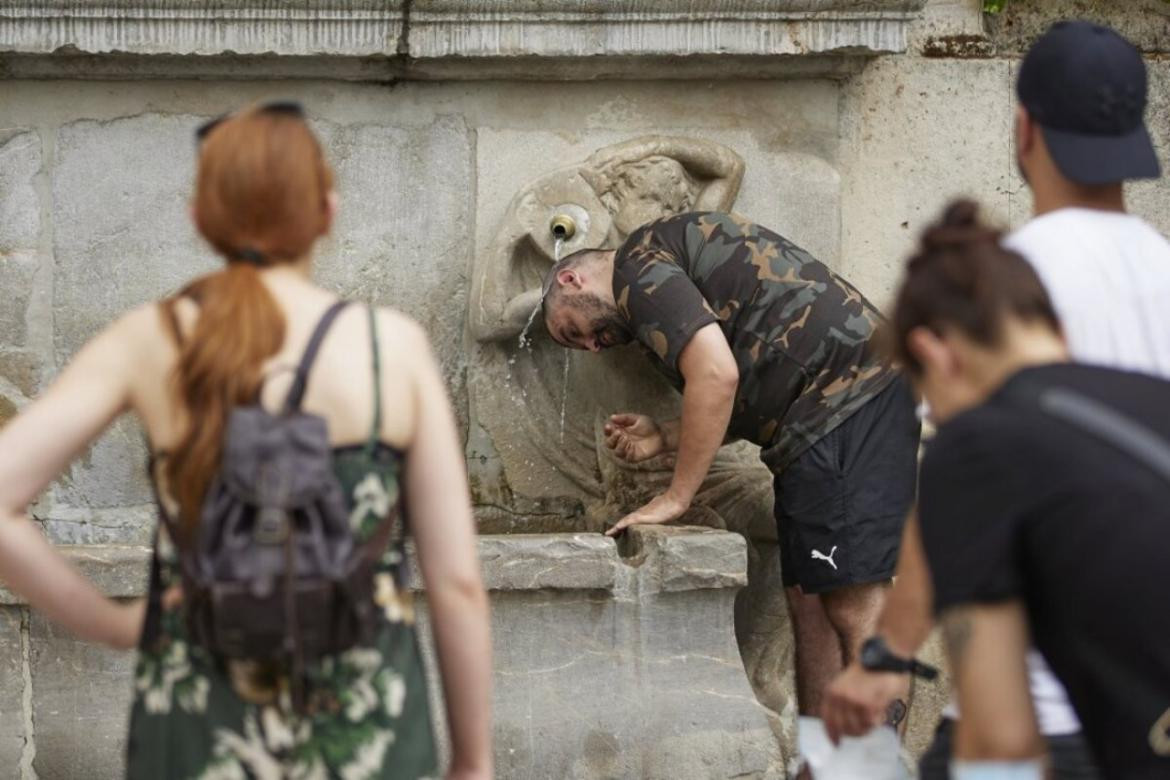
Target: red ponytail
pixel 261 199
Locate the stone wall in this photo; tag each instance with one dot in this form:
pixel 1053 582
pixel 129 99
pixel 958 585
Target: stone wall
pixel 95 174
pixel 857 120
pixel 96 177
pixel 937 121
pixel 603 663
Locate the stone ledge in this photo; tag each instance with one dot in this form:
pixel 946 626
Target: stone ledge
pixel 118 571
pixel 667 559
pixel 572 28
pixel 548 562
pixel 353 28
pixel 448 39
pixel 689 558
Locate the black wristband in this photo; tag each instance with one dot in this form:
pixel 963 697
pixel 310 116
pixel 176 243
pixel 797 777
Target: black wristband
pixel 876 656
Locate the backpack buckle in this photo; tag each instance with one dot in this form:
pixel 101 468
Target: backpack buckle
pixel 272 526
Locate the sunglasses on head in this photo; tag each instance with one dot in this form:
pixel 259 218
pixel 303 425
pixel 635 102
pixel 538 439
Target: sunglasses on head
pixel 280 107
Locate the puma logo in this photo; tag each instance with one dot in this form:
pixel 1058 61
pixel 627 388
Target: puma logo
pixel 820 556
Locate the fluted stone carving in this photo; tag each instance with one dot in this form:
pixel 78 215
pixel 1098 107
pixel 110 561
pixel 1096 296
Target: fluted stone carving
pixel 462 39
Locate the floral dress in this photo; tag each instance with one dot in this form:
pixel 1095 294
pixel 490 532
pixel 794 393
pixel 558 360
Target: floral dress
pixel 196 716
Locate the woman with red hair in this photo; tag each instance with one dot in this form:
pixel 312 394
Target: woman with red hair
pixel 264 195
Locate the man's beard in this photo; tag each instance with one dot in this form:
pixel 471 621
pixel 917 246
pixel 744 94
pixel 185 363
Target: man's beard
pixel 612 331
pixel 605 322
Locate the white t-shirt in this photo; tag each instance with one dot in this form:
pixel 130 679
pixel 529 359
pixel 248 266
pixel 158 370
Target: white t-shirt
pixel 1108 275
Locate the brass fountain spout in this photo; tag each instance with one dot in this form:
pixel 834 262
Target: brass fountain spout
pixel 563 227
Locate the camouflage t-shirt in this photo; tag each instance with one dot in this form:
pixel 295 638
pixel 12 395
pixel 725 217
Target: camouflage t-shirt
pixel 799 333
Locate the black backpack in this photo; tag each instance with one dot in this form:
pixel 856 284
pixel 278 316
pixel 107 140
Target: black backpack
pixel 275 573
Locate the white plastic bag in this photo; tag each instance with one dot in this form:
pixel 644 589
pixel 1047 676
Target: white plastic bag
pixel 876 756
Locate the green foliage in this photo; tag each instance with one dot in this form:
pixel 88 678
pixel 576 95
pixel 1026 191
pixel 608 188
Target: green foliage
pixel 993 6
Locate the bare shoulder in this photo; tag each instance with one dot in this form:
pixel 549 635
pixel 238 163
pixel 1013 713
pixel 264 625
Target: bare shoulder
pixel 140 328
pixel 402 338
pixel 405 354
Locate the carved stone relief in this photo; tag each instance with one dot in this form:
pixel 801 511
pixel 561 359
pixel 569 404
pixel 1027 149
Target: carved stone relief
pixel 534 447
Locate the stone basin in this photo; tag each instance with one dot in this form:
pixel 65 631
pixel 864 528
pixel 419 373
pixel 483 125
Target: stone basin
pixel 610 661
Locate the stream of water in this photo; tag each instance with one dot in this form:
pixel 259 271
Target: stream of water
pixel 564 395
pixel 558 245
pixel 525 342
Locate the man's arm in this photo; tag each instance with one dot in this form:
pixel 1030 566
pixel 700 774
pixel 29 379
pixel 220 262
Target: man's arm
pixel 671 430
pixel 637 437
pixel 987 646
pixel 711 377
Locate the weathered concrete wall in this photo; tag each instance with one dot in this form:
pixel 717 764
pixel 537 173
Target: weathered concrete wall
pixel 97 178
pixel 938 121
pixel 847 155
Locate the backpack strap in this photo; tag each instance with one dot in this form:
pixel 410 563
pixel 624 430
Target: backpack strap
pixel 376 427
pixel 173 528
pixel 296 393
pixel 1134 438
pixel 373 547
pixel 1123 432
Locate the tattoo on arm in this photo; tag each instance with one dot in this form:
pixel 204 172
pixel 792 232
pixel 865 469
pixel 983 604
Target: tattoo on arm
pixel 956 626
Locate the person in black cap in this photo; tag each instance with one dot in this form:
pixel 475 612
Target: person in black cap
pixel 1084 86
pixel 1080 135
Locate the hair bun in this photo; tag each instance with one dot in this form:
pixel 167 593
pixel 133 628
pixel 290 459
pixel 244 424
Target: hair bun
pixel 961 213
pixel 959 227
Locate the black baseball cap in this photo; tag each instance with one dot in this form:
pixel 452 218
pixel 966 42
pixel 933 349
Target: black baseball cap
pixel 1085 86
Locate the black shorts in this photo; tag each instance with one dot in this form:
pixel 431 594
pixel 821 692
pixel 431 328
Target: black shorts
pixel 841 505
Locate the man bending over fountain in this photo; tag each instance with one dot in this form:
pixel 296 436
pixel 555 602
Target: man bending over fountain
pixel 769 345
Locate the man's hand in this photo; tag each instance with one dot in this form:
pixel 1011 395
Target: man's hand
pixel 662 509
pixel 856 702
pixel 634 437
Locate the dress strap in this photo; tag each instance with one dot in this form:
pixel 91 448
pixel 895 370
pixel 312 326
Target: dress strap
pixel 296 393
pixel 376 429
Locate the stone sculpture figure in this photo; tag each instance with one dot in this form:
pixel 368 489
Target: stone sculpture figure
pixel 534 473
pixel 535 451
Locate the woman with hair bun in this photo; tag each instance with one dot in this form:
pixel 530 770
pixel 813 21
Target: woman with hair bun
pixel 1042 517
pixel 259 334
